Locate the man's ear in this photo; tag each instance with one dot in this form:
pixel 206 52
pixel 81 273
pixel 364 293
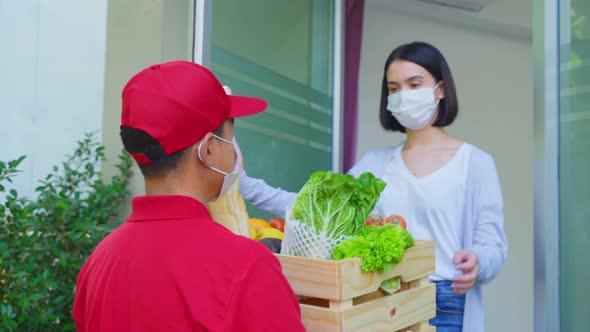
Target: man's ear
pixel 203 149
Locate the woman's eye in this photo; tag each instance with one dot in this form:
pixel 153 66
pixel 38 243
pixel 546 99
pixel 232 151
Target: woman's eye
pixel 416 85
pixel 392 90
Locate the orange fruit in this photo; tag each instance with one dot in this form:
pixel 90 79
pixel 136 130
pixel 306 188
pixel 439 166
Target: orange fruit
pixel 258 224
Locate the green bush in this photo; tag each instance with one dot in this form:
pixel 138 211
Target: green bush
pixel 45 241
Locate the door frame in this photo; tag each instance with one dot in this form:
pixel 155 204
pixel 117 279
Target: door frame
pixel 546 165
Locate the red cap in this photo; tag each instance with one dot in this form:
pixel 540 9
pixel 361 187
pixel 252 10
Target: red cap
pixel 178 103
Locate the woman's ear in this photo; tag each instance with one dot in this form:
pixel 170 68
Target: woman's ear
pixel 439 93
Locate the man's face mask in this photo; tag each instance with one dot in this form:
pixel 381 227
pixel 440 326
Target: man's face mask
pixel 228 178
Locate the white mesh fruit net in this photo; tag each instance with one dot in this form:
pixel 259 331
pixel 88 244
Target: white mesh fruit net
pixel 303 240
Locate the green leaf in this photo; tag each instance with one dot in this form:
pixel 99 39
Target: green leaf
pixel 336 204
pixel 7 311
pixel 69 327
pixel 391 285
pixel 16 163
pixel 380 248
pixel 11 325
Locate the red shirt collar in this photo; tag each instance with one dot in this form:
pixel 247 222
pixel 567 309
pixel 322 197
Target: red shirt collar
pixel 146 208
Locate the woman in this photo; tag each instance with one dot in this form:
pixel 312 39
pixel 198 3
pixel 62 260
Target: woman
pixel 446 189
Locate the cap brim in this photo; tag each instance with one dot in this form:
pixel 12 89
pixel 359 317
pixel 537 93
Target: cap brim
pixel 245 106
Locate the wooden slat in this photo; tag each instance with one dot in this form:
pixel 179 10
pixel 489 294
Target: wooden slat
pixel 419 282
pixel 418 263
pixel 342 298
pixel 316 319
pixel 422 327
pixel 312 277
pixel 392 312
pixel 341 305
pixel 343 280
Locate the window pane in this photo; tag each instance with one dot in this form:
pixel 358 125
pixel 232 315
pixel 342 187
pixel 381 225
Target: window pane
pixel 574 163
pixel 281 51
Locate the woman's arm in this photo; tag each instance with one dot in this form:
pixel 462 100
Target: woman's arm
pixel 270 199
pixel 265 197
pixel 276 200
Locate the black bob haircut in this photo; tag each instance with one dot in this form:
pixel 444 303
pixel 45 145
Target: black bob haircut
pixel 431 59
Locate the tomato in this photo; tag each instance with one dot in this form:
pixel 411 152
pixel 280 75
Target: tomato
pixel 374 220
pixel 396 219
pixel 278 224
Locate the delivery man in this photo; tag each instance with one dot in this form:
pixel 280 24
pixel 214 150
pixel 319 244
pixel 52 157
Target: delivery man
pixel 170 267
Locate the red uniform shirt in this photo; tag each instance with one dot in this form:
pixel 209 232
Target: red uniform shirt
pixel 170 267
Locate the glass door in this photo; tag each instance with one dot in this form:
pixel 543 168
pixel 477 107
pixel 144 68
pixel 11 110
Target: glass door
pixel 281 51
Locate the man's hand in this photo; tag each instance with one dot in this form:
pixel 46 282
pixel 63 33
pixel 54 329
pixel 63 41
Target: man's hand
pixel 467 262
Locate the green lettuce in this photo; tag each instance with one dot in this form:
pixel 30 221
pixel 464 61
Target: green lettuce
pixel 379 247
pixel 391 285
pixel 336 204
pixel 368 190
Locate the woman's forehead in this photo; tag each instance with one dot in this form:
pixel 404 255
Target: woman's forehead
pixel 401 71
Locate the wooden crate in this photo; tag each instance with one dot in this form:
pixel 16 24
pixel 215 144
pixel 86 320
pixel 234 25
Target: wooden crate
pixel 337 296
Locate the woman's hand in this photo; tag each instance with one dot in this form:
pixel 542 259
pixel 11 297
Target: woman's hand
pixel 467 262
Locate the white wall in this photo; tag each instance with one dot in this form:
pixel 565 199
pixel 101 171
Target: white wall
pixel 51 83
pixel 493 74
pixel 140 33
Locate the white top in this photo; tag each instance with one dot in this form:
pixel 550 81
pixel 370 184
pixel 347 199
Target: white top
pixel 431 204
pixel 459 206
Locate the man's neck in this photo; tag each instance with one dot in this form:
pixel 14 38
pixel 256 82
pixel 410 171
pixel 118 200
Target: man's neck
pixel 169 186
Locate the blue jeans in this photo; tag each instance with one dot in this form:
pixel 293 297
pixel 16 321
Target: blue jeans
pixel 449 309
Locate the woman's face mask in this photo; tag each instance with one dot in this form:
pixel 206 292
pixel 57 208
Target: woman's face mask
pixel 415 108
